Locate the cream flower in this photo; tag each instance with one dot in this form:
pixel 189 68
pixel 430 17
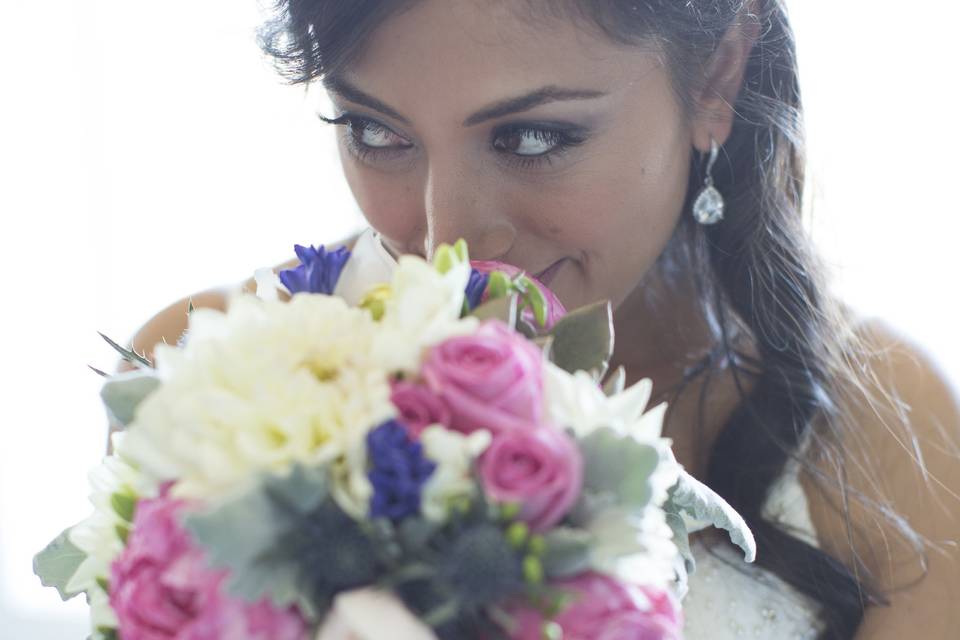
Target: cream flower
pixel 257 388
pixel 423 309
pixel 98 537
pixel 454 454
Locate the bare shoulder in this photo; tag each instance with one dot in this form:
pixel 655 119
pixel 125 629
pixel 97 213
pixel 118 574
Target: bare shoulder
pixel 900 452
pixel 169 324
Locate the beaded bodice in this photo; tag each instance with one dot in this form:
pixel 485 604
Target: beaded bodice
pixel 729 599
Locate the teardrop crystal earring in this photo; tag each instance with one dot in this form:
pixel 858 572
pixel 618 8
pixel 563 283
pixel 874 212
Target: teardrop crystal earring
pixel 708 207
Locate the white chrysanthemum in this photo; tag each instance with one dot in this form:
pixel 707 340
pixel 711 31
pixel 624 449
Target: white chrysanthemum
pixel 454 454
pixel 257 388
pixel 637 547
pixel 576 401
pixel 98 537
pixel 423 309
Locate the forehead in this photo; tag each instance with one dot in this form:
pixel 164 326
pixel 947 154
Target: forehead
pixel 457 54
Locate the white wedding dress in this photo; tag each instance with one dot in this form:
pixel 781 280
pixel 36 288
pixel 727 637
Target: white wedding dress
pixel 727 599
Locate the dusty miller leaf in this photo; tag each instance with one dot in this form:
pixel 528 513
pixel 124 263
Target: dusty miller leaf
pixel 691 497
pixel 244 534
pixel 620 465
pixel 123 393
pixel 567 552
pixel 57 563
pixel 129 355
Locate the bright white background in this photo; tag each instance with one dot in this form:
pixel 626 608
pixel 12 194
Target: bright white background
pixel 147 151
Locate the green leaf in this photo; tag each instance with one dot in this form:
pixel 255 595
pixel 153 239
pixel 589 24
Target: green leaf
pixel 534 297
pixel 57 563
pixel 244 534
pixel 124 505
pixel 504 308
pixel 616 382
pixel 128 354
pixel 102 374
pixel 619 465
pixel 567 553
pixel 498 285
pixel 123 392
pixel 583 339
pixel 692 498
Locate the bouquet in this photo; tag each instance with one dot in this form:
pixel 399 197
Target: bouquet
pixel 446 457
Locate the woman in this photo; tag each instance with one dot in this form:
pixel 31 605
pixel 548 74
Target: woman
pixel 582 141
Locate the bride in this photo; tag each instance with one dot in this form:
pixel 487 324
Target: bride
pixel 650 152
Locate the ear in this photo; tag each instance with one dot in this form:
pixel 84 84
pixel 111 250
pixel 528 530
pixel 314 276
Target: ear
pixel 723 81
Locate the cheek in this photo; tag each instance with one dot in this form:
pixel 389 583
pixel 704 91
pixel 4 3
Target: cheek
pixel 388 201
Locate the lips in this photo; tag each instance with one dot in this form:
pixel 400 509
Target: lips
pixel 547 274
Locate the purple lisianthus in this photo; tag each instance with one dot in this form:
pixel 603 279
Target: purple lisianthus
pixel 318 272
pixel 398 471
pixel 475 288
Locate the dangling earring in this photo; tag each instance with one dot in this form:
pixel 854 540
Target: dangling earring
pixel 708 207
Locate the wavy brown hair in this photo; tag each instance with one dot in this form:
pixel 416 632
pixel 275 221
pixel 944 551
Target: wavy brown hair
pixel 757 274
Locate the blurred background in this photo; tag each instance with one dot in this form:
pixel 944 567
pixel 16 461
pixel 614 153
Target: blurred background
pixel 147 151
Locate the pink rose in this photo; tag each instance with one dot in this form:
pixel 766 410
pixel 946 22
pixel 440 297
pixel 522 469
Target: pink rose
pixel 555 309
pixel 492 379
pixel 605 609
pixel 539 468
pixel 162 588
pixel 418 406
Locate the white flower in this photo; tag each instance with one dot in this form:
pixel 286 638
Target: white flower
pixel 97 535
pixel 257 388
pixel 636 547
pixel 423 309
pixel 454 454
pixel 576 401
pixel 371 614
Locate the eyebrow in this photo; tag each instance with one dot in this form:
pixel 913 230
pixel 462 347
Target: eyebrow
pixel 543 95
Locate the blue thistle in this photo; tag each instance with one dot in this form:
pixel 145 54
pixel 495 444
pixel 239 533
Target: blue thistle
pixel 475 288
pixel 318 272
pixel 398 471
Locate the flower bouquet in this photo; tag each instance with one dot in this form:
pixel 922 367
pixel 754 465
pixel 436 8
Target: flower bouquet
pixel 447 457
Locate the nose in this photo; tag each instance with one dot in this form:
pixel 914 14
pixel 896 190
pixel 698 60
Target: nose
pixel 461 203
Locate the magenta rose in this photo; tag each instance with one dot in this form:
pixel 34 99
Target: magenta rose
pixel 602 608
pixel 539 468
pixel 491 379
pixel 555 308
pixel 419 407
pixel 162 588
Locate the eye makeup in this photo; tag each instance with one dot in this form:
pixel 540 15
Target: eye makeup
pixel 505 139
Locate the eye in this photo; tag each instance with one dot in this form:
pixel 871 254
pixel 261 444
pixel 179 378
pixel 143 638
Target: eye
pixel 369 139
pixel 526 146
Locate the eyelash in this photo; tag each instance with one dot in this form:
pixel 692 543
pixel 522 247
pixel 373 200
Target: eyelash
pixel 561 141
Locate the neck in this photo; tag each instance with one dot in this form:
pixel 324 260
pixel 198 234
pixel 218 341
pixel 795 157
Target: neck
pixel 659 332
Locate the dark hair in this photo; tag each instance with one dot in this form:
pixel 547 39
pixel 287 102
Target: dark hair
pixel 757 274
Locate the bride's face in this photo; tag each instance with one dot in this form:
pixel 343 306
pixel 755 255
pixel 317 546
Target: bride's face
pixel 539 143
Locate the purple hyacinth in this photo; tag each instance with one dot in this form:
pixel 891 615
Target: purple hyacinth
pixel 318 272
pixel 475 288
pixel 398 471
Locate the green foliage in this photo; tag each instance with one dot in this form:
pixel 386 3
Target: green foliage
pixel 618 466
pixel 129 355
pixel 692 498
pixel 123 393
pixel 246 534
pixel 583 339
pixel 567 552
pixel 57 563
pixel 501 308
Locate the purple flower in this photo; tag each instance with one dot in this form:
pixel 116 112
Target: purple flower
pixel 475 288
pixel 318 272
pixel 398 471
